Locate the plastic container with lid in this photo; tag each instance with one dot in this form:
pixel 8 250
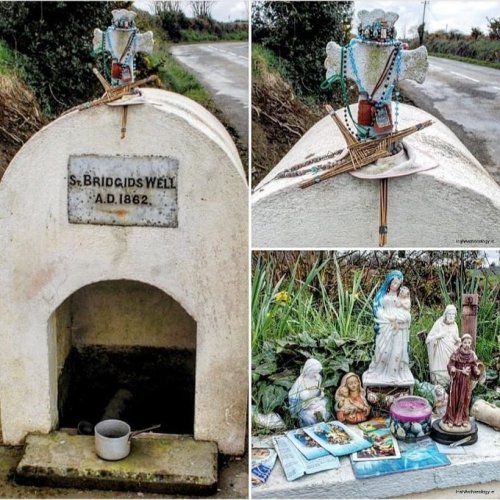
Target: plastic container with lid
pixel 411 418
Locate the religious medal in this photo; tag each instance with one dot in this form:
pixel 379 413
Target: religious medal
pixel 382 120
pixel 116 70
pixel 126 75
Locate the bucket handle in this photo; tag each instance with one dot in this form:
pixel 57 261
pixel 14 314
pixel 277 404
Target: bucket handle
pixel 132 434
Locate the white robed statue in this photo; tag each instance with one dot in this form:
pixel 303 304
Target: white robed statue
pixel 390 365
pixel 306 398
pixel 442 341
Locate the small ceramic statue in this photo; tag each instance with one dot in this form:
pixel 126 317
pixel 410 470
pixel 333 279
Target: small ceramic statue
pixel 306 398
pixel 390 365
pixel 350 402
pixel 442 341
pixel 440 401
pixel 463 369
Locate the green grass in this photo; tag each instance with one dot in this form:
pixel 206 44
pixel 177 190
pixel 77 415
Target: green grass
pixel 11 63
pixel 205 36
pixel 469 60
pixel 198 36
pixel 176 79
pixel 265 61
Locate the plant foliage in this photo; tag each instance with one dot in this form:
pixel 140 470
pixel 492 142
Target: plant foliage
pixel 318 304
pixel 298 33
pixel 56 39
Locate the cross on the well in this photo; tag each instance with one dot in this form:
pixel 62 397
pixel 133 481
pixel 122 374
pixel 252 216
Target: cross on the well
pixel 376 61
pixel 376 64
pixel 122 40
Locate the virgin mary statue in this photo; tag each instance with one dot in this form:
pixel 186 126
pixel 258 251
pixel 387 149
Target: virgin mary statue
pixel 390 364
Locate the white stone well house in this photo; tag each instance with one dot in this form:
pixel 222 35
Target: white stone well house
pixel 102 289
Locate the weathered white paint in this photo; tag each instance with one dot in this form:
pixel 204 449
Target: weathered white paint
pixel 202 264
pixel 454 205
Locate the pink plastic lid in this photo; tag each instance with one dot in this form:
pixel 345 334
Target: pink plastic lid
pixel 410 409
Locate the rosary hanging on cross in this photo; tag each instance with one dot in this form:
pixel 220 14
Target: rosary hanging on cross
pixel 122 41
pixel 376 60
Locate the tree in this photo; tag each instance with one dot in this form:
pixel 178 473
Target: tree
pixel 298 32
pixel 160 6
pixel 494 28
pixel 202 8
pixel 476 33
pixel 56 39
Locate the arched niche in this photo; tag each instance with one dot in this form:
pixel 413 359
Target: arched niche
pixel 124 349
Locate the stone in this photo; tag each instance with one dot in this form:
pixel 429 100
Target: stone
pixel 481 462
pixel 454 205
pixel 123 191
pixel 201 265
pixel 160 464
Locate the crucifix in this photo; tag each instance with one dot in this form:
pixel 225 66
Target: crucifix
pixel 470 305
pixel 375 60
pixel 122 41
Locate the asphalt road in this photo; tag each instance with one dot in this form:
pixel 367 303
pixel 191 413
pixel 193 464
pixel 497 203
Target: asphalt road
pixel 222 68
pixel 466 97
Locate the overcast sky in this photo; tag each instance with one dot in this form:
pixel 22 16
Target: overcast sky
pixel 222 10
pixel 440 14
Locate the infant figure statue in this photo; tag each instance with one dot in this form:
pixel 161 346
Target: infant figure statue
pixel 306 398
pixel 390 365
pixel 350 402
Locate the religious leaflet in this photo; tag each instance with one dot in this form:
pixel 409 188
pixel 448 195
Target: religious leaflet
pixel 337 438
pixel 306 444
pixel 295 465
pixel 422 454
pixel 385 445
pixel 263 460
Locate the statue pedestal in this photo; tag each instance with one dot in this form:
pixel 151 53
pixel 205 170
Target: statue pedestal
pixel 445 437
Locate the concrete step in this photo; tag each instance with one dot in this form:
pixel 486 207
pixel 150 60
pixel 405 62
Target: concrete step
pixel 158 463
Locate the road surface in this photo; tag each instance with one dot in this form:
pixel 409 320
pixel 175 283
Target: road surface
pixel 466 97
pixel 222 68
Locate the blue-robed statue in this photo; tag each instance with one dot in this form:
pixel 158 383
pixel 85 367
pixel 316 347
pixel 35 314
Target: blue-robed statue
pixel 390 365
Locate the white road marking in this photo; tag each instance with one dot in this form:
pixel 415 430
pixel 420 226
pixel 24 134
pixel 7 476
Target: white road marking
pixel 497 88
pixel 216 49
pixel 435 66
pixel 464 76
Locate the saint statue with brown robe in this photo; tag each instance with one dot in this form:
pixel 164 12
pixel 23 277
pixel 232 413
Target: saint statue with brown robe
pixel 463 369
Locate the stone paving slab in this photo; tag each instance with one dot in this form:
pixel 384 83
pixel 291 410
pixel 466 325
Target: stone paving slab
pixel 166 464
pixel 479 464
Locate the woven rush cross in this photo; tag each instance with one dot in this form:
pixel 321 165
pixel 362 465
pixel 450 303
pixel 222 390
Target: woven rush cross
pixel 361 154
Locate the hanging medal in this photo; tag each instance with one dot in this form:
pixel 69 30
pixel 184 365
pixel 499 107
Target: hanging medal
pixel 382 119
pixel 126 74
pixel 116 69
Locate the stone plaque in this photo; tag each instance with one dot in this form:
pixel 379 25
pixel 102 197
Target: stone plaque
pixel 122 190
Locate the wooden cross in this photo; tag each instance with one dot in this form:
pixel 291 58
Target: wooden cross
pixel 122 41
pixel 470 305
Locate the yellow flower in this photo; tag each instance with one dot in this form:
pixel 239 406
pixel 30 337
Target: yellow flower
pixel 282 298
